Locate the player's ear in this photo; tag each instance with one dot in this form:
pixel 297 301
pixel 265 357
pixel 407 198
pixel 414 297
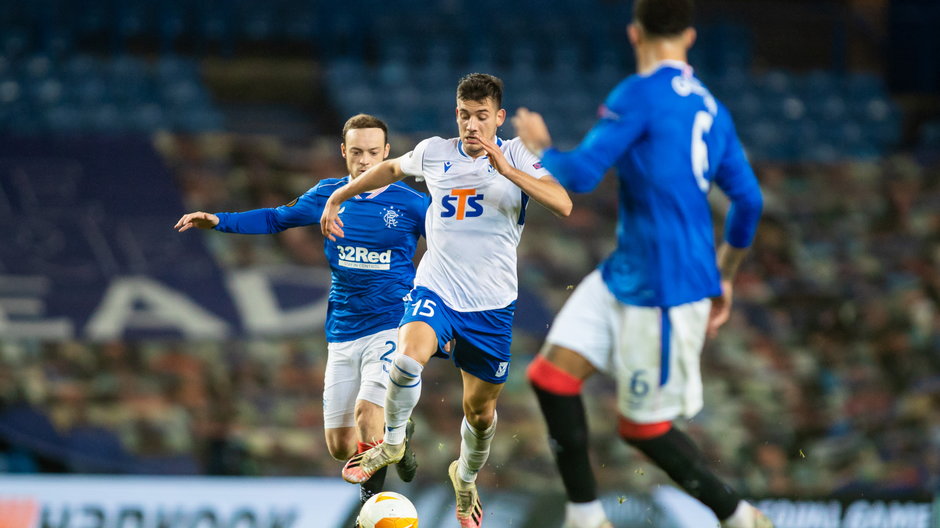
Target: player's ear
pixel 388 148
pixel 634 33
pixel 500 117
pixel 689 36
pixel 342 149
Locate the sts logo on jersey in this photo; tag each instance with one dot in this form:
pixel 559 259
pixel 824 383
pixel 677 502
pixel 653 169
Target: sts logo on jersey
pixel 462 203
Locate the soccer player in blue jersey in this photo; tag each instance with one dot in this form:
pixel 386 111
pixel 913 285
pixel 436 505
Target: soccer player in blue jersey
pixel 372 270
pixel 643 316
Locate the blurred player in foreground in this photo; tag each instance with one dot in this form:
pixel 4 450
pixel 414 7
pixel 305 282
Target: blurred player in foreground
pixel 466 285
pixel 372 269
pixel 643 316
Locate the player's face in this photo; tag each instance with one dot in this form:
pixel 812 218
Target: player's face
pixel 364 148
pixel 476 119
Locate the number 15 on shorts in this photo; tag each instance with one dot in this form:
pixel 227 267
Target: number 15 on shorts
pixel 423 308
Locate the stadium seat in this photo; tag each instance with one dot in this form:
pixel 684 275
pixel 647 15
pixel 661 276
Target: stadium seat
pixel 96 450
pixel 26 427
pixel 167 465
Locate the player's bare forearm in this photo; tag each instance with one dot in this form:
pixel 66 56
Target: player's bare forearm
pixel 546 191
pixel 729 260
pixel 385 173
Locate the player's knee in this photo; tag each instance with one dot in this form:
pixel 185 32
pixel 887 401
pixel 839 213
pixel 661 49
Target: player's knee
pixel 405 371
pixel 632 431
pixel 341 449
pixel 480 416
pixel 342 453
pixel 546 376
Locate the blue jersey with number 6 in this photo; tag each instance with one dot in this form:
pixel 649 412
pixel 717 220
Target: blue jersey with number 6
pixel 669 140
pixel 371 266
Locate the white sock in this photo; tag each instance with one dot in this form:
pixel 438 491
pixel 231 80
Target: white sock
pixel 404 390
pixel 588 514
pixel 474 449
pixel 743 516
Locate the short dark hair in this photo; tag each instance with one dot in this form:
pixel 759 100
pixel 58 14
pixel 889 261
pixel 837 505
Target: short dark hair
pixel 479 86
pixel 663 18
pixel 364 121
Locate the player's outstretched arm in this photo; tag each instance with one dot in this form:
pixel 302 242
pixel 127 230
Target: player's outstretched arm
pixel 199 219
pixel 546 190
pixel 580 170
pixel 385 173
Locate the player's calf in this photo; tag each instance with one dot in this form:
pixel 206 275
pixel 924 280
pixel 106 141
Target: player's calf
pixel 677 455
pixel 559 396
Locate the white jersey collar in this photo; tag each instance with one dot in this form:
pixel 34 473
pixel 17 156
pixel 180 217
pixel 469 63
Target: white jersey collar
pixel 670 63
pixel 370 195
pixel 499 143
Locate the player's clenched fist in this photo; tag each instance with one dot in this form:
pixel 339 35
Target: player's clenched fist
pixel 531 129
pixel 198 219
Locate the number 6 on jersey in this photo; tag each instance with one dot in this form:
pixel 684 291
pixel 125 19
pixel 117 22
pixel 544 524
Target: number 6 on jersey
pixel 702 125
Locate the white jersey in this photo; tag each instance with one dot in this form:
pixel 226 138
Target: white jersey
pixel 474 223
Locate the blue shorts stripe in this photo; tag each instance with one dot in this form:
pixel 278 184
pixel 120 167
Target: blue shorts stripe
pixel 415 384
pixel 665 335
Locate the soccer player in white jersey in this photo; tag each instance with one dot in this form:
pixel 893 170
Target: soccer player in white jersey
pixel 371 270
pixel 466 285
pixel 643 316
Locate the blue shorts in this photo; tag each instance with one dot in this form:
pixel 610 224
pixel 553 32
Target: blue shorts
pixel 483 338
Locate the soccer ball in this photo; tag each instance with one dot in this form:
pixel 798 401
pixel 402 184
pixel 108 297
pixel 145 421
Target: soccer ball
pixel 388 510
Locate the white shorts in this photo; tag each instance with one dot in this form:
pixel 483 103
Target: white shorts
pixel 356 370
pixel 655 383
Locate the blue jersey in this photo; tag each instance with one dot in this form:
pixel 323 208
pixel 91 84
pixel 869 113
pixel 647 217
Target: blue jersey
pixel 371 266
pixel 669 140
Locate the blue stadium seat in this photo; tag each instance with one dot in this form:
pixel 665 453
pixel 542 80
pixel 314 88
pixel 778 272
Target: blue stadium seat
pixel 47 92
pixel 146 117
pixel 63 119
pixel 863 86
pixel 79 67
pixel 831 109
pixel 26 427
pixel 89 91
pixel 96 450
pixel 792 108
pixel 14 42
pixel 11 91
pixel 777 83
pixel 167 465
pixel 37 66
pixel 817 85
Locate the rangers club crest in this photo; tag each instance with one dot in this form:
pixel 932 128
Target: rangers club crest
pixel 391 217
